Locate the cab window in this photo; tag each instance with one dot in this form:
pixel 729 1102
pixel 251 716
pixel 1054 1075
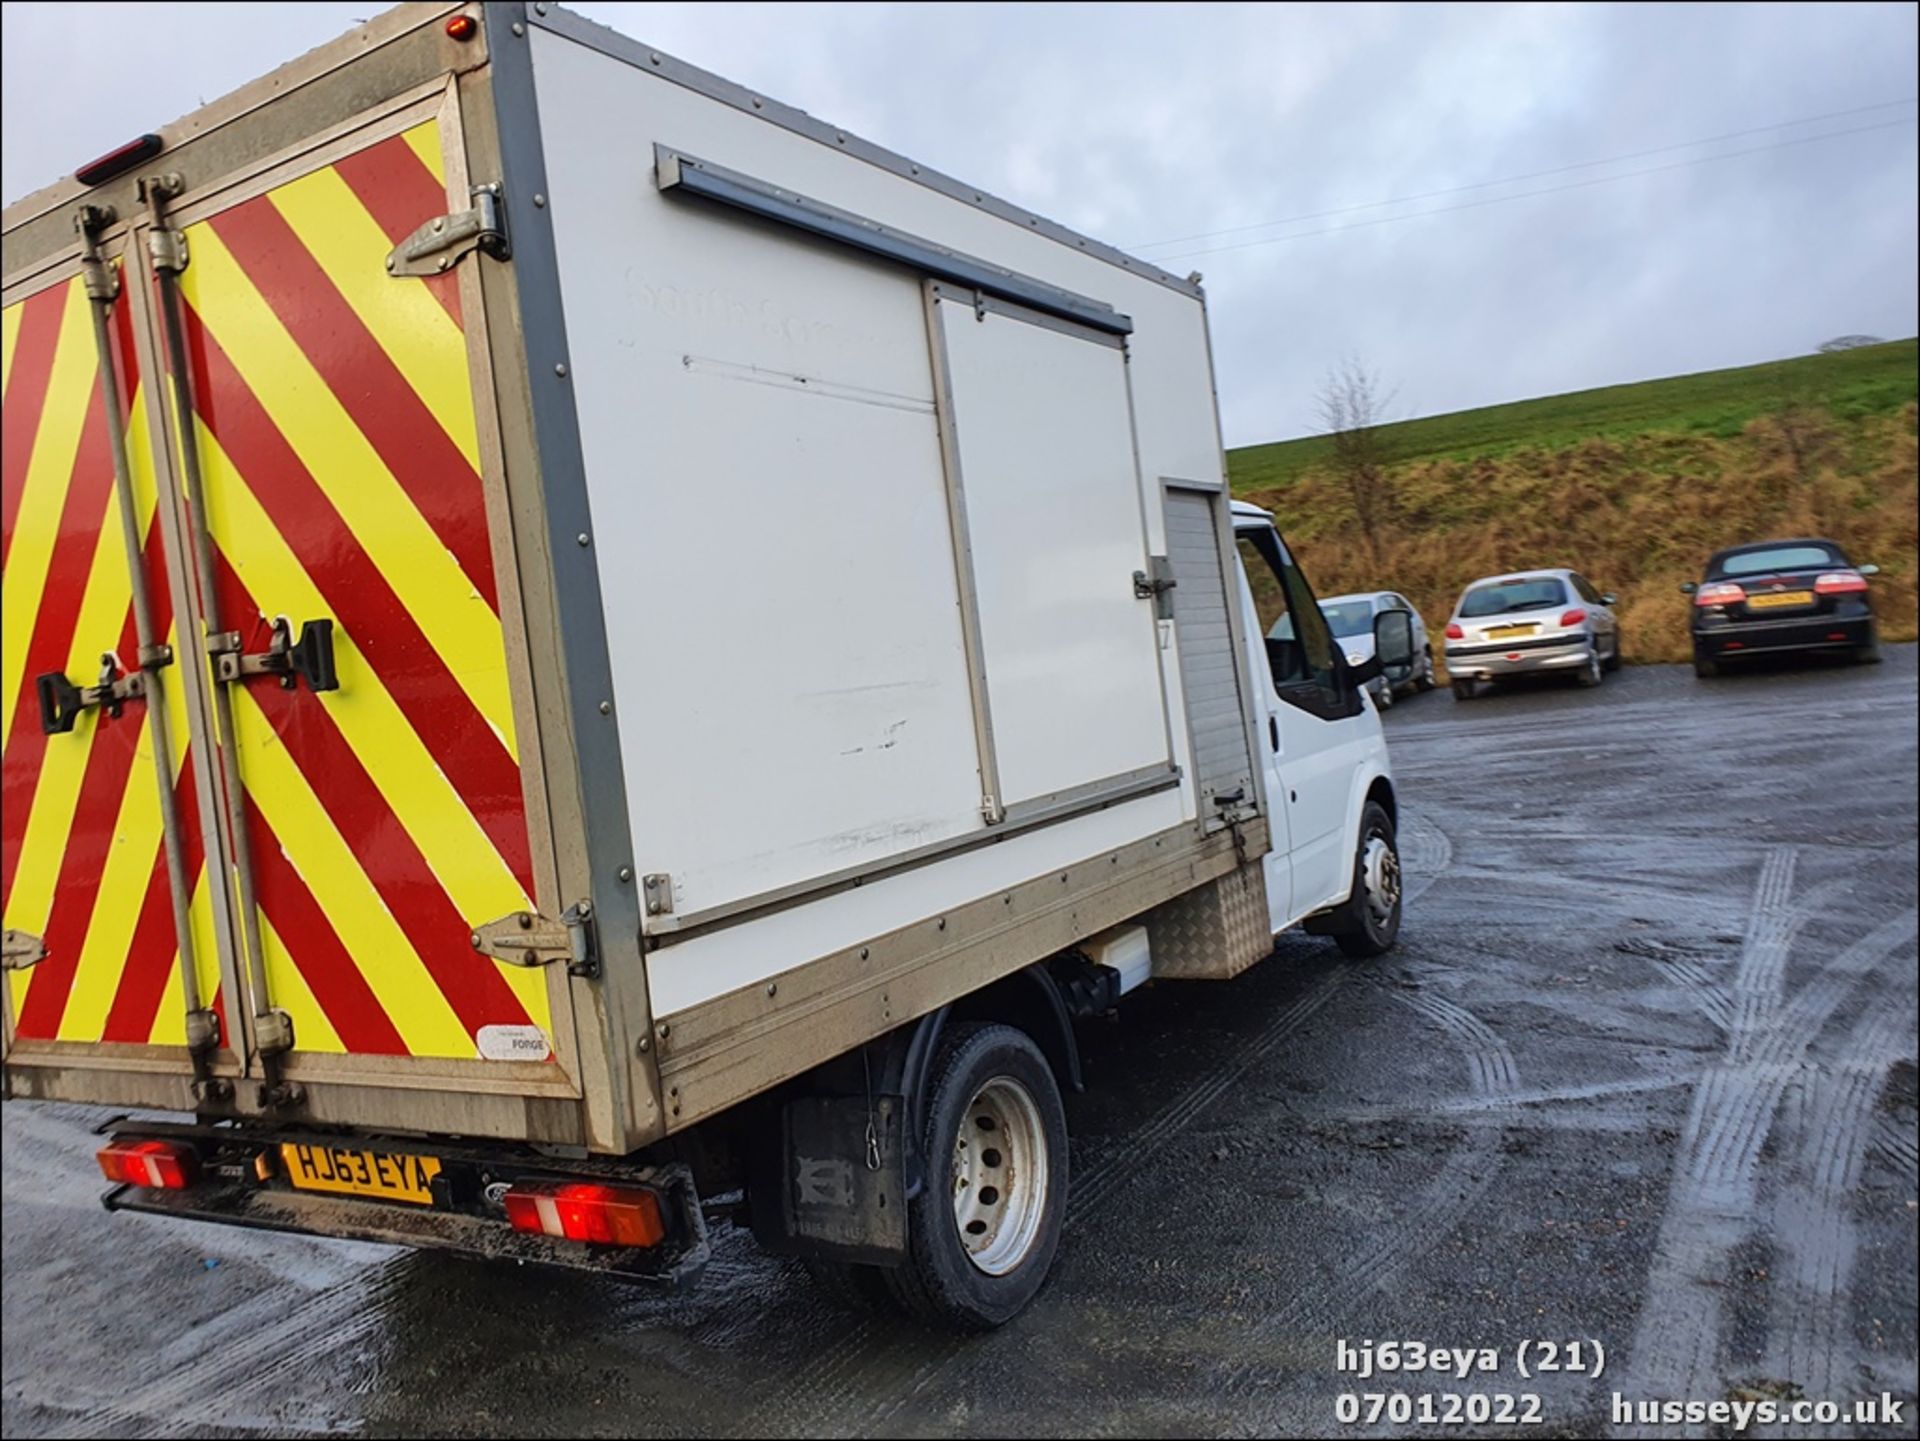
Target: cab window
pixel 1300 650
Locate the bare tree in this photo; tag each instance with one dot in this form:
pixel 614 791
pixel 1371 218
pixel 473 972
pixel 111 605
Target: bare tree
pixel 1352 409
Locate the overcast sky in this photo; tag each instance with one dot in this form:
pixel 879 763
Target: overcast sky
pixel 1147 124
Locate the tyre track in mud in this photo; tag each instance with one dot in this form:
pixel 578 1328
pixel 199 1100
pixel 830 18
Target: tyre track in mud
pixel 1465 1176
pixel 1812 1212
pixel 900 1364
pixel 1712 1198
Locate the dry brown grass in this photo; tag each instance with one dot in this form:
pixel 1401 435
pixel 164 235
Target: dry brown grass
pixel 1637 515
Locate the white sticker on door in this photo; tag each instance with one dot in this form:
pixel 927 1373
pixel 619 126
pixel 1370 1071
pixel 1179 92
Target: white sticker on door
pixel 512 1043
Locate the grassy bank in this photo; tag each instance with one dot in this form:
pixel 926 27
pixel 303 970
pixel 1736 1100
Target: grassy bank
pixel 1633 484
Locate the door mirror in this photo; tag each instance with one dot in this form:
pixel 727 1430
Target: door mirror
pixel 1393 644
pixel 1609 599
pixel 1688 587
pixel 1868 569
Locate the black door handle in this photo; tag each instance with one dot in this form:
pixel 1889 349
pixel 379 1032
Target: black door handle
pixel 1273 732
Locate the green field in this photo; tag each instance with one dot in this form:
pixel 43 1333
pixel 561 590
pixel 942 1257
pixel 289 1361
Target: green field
pixel 1848 385
pixel 1635 485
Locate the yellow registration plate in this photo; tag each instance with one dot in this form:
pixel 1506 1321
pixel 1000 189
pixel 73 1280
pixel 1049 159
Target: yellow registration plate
pixel 353 1172
pixel 1510 632
pixel 1779 597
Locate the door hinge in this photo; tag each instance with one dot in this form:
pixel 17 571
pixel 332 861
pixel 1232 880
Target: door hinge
pixel 1156 585
pixel 439 244
pixel 311 656
pixel 21 949
pixel 61 701
pixel 527 938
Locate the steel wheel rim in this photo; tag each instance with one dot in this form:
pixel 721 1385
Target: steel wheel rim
pixel 1380 872
pixel 999 1176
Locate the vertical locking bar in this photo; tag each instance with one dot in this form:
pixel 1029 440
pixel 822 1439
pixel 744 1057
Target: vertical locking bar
pixel 103 289
pixel 272 1029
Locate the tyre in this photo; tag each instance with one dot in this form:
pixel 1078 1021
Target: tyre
pixel 1613 656
pixel 983 1231
pixel 1465 689
pixel 1368 923
pixel 1424 681
pixel 1868 654
pixel 1383 698
pixel 1703 668
pixel 1594 671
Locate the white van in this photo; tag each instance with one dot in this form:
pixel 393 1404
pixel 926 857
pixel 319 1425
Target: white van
pixel 662 651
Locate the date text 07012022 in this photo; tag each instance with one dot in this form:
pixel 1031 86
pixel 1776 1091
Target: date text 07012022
pixel 1368 1357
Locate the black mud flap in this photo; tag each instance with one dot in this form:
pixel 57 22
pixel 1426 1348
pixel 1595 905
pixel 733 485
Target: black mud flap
pixel 835 1187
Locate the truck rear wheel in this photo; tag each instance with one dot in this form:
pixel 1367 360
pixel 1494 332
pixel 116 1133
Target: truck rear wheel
pixel 984 1229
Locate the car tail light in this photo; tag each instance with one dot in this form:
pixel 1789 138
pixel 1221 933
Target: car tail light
pixel 1841 582
pixel 586 1211
pixel 1722 593
pixel 1573 617
pixel 1454 632
pixel 163 1165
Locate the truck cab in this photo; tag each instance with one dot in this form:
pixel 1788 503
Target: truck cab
pixel 1323 758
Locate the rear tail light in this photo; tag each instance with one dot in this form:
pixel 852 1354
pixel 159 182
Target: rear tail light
pixel 1841 582
pixel 1573 617
pixel 1455 633
pixel 1723 593
pixel 118 161
pixel 163 1165
pixel 587 1211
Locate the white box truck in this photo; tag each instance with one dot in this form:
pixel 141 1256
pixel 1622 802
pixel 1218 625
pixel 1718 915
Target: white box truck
pixel 583 647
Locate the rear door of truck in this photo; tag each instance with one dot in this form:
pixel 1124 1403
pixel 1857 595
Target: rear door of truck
pixel 350 474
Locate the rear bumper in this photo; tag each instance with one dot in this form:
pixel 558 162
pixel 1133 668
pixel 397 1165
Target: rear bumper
pixel 1733 639
pixel 467 1219
pixel 1490 662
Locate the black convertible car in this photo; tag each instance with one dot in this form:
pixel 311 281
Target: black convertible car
pixel 1781 595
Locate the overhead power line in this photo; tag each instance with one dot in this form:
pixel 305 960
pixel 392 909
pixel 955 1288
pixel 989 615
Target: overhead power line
pixel 1537 174
pixel 1530 194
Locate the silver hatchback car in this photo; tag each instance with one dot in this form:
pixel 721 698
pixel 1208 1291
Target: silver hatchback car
pixel 1533 620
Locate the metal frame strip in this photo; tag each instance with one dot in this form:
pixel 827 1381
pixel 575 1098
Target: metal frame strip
pixel 678 173
pixel 103 290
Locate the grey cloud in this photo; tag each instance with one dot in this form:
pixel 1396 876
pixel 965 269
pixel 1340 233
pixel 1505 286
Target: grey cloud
pixel 1141 123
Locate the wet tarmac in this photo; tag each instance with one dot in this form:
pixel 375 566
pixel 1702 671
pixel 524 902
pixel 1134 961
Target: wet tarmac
pixel 1641 1073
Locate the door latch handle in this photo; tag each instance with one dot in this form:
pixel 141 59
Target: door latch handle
pixel 61 701
pixel 310 657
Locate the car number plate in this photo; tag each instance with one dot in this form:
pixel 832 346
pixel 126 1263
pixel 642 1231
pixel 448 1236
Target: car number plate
pixel 1778 598
pixel 349 1171
pixel 1508 632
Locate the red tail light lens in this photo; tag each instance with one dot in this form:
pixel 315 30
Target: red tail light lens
pixel 1841 582
pixel 1455 633
pixel 587 1211
pixel 1721 593
pixel 118 162
pixel 1573 617
pixel 163 1165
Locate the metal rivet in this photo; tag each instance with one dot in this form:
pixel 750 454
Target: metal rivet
pixel 518 28
pixel 841 138
pixel 389 262
pixel 626 873
pixel 654 58
pixel 773 988
pixel 863 953
pixel 539 201
pixel 643 1045
pixel 560 369
pixel 606 707
pixel 758 102
pixel 539 9
pixel 943 923
pixel 584 538
pixel 664 1029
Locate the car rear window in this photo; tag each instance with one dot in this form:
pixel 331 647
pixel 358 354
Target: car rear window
pixel 1779 557
pixel 1533 593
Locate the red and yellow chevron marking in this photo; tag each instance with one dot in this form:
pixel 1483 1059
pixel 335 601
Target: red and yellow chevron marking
pixel 337 436
pixel 81 862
